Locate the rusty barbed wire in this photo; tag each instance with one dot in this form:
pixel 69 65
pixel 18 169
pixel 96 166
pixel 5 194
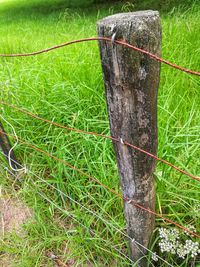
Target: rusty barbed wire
pixel 129 201
pixel 115 139
pixel 107 39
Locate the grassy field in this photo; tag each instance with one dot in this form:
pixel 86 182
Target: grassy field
pixel 66 86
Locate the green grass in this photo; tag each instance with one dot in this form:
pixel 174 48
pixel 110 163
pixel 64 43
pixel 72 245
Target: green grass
pixel 66 86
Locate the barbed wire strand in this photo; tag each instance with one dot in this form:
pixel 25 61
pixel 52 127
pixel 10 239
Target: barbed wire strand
pixel 93 213
pixel 103 136
pixel 129 201
pixel 107 39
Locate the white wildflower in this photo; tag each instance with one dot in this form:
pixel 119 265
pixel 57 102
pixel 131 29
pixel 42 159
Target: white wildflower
pixel 172 243
pixel 191 247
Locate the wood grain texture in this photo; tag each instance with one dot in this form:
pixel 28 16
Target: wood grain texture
pixel 131 82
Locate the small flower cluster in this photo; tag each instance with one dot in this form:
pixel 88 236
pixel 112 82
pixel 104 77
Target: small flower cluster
pixel 171 242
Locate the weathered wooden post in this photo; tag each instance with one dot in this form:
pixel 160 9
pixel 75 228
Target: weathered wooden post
pixel 6 147
pixel 131 81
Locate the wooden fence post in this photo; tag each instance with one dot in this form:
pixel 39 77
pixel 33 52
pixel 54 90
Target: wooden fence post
pixel 6 146
pixel 131 81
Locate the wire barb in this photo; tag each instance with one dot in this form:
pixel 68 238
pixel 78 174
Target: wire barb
pixel 113 38
pixel 122 141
